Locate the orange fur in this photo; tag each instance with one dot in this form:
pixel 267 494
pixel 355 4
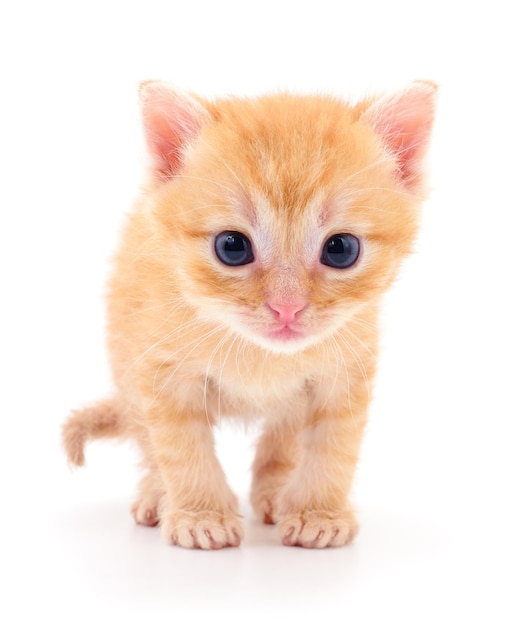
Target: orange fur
pixel 285 337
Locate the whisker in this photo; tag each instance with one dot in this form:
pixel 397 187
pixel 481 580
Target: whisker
pixel 198 342
pixel 227 166
pixel 362 171
pixel 358 360
pixel 160 305
pixel 220 375
pixel 358 340
pixel 363 322
pixel 325 344
pixel 206 377
pixel 189 326
pixel 338 348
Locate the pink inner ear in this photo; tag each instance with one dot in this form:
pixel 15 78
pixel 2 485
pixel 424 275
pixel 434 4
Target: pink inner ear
pixel 404 123
pixel 171 120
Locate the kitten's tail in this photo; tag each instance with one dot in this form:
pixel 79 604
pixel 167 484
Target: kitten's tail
pixel 93 422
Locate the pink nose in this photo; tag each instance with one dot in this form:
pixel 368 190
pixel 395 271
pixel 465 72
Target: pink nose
pixel 287 313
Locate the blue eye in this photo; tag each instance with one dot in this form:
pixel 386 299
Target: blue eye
pixel 233 248
pixel 340 251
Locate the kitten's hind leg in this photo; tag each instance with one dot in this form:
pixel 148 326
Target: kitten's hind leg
pixel 276 457
pixel 146 509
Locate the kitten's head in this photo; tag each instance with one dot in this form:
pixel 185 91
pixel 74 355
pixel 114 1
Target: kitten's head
pixel 285 216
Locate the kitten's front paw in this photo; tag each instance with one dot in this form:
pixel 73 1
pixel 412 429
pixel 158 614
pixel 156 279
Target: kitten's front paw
pixel 207 530
pixel 318 529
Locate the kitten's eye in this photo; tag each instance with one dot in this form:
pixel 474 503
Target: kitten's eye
pixel 340 251
pixel 233 248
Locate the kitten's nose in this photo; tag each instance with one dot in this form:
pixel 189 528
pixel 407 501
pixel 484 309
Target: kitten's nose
pixel 287 313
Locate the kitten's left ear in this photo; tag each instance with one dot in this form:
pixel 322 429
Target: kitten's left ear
pixel 404 121
pixel 171 119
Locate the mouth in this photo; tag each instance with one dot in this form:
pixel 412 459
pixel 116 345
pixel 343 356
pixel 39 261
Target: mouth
pixel 285 333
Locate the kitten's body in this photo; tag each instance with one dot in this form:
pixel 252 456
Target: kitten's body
pixel 284 335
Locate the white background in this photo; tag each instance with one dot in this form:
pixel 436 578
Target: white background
pixel 433 483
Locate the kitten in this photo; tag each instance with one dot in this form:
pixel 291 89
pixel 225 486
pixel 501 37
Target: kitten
pixel 247 284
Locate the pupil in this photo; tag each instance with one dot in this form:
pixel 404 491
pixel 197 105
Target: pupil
pixel 235 244
pixel 336 246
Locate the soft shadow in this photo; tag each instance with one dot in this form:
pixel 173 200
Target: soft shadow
pixel 109 554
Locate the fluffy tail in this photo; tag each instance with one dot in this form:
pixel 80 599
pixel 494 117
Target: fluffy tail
pixel 93 422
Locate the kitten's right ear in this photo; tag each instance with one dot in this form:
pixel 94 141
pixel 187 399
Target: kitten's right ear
pixel 403 121
pixel 171 120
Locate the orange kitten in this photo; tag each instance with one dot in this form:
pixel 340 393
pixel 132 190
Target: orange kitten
pixel 247 284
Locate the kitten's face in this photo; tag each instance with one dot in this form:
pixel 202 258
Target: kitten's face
pixel 286 219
